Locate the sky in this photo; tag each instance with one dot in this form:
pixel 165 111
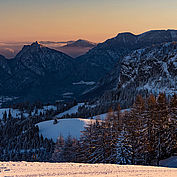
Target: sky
pixel 94 20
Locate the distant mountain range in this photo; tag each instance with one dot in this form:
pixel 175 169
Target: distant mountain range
pixel 72 48
pixel 40 73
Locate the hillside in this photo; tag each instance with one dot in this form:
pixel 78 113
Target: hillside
pixel 82 170
pixel 144 71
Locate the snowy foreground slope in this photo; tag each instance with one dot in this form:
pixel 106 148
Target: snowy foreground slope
pixel 32 169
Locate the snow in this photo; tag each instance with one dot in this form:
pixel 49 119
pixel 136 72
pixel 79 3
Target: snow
pixel 170 162
pixel 4 99
pixel 64 127
pixel 84 83
pixel 69 126
pixel 45 108
pixel 73 110
pixel 101 116
pixel 165 68
pixel 67 94
pixel 15 112
pixel 173 34
pixel 33 169
pixel 174 60
pixel 155 88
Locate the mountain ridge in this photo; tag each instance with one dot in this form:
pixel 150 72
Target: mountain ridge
pixel 40 72
pixel 112 45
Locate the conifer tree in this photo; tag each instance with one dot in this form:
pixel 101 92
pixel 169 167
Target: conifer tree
pixel 56 156
pixel 9 115
pixel 135 139
pixel 152 126
pixel 86 144
pixel 5 116
pixel 173 121
pixel 68 150
pixel 173 107
pixel 164 134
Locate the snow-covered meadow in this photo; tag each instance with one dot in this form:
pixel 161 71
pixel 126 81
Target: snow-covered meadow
pixel 64 127
pixel 33 169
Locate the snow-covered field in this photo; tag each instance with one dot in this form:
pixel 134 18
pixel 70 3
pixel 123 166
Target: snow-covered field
pixel 31 169
pixel 64 127
pixel 69 126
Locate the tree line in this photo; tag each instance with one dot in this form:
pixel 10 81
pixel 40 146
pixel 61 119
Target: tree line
pixel 144 135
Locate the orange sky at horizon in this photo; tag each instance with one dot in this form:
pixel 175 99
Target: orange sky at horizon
pixel 94 20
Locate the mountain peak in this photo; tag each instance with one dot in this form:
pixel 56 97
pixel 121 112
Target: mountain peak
pixel 35 46
pixel 35 43
pixel 125 34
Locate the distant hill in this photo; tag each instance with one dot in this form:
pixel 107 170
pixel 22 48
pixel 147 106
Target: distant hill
pixel 77 48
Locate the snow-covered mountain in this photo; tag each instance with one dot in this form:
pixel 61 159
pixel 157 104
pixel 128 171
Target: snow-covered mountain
pixel 102 59
pixel 147 70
